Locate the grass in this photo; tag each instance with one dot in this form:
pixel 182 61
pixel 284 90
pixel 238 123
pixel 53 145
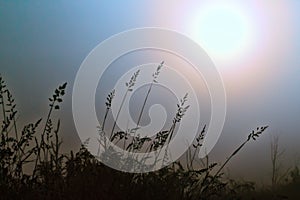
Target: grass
pixel 79 175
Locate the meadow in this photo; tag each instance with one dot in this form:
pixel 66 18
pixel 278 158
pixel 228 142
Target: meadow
pixel 79 175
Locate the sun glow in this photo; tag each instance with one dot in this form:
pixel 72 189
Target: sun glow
pixel 222 30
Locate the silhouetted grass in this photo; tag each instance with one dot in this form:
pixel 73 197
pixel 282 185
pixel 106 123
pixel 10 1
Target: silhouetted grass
pixel 80 176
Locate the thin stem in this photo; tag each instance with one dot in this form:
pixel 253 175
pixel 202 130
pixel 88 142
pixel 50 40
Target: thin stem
pixel 3 106
pixel 253 135
pixel 102 130
pixel 144 103
pixel 229 158
pixel 56 98
pixel 44 131
pixel 104 120
pixel 169 137
pixel 17 139
pixel 115 121
pixel 38 158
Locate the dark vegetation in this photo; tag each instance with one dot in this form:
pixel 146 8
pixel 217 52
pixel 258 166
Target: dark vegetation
pixel 56 175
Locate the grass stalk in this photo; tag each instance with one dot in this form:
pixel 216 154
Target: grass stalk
pixel 155 76
pixel 56 98
pixel 129 86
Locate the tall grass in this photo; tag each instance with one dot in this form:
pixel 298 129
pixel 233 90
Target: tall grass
pixel 81 176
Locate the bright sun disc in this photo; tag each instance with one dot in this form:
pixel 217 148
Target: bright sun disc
pixel 222 30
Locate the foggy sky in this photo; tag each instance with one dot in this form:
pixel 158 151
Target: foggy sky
pixel 44 43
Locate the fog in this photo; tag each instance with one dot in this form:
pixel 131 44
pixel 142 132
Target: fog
pixel 44 43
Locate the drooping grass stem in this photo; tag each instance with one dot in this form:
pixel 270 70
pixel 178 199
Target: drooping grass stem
pixel 253 135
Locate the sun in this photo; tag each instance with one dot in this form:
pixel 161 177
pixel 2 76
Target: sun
pixel 222 30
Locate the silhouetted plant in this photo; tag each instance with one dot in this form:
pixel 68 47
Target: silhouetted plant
pixel 155 76
pixel 129 88
pixel 81 176
pixel 44 145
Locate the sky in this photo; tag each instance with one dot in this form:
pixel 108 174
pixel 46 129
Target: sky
pixel 255 46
